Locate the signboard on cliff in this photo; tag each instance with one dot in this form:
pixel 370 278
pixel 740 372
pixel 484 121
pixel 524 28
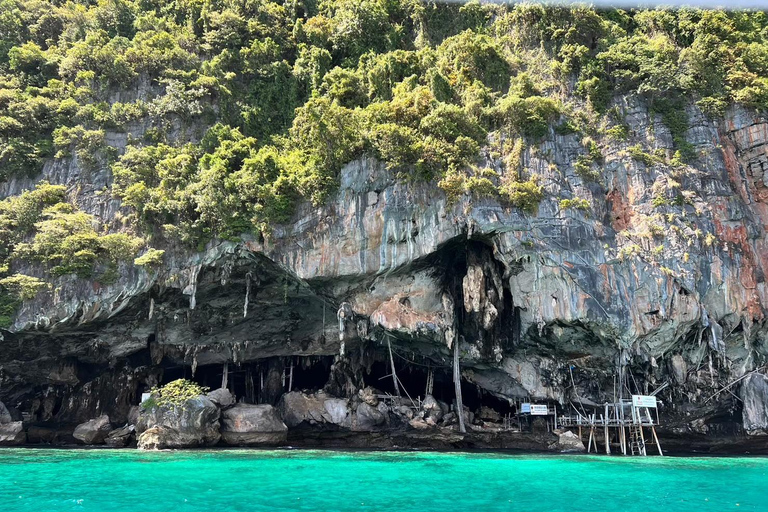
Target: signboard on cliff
pixel 644 401
pixel 538 410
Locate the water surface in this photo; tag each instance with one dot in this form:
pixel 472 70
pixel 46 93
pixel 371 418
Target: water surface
pixel 42 480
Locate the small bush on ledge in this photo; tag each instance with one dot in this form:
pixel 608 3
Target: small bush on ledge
pixel 174 393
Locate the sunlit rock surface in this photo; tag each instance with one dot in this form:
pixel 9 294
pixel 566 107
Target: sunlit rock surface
pixel 544 307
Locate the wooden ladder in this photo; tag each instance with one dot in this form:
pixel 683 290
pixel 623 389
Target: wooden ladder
pixel 636 440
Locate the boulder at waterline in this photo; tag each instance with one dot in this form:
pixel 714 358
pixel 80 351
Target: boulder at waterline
pixel 93 431
pixel 120 437
pixel 251 425
pixel 318 408
pixel 193 423
pixel 12 434
pixel 367 418
pixel 567 442
pixel 754 395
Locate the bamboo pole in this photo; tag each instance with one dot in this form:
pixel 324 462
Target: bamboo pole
pixel 656 438
pixel 290 378
pixel 392 363
pixel 653 429
pixel 622 438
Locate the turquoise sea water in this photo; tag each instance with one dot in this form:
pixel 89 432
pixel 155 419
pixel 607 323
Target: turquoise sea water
pixel 129 480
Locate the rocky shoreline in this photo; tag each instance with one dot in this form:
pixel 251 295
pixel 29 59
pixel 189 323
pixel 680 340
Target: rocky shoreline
pixel 320 421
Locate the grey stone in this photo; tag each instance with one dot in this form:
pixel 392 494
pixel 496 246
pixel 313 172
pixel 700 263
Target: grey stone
pixel 5 416
pixel 337 410
pixel 369 396
pixel 297 407
pixel 221 397
pixel 12 434
pixel 120 437
pixel 567 442
pixel 249 425
pixel 488 414
pixel 367 418
pixel 419 424
pixel 93 431
pixel 754 395
pixel 679 368
pixel 432 409
pixel 194 423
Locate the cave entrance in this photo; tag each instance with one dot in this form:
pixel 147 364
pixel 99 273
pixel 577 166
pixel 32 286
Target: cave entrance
pixel 261 381
pixel 310 374
pixel 412 377
pixel 455 260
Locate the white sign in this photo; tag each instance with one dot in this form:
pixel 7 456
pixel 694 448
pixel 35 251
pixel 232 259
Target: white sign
pixel 525 408
pixel 145 397
pixel 538 410
pixel 644 401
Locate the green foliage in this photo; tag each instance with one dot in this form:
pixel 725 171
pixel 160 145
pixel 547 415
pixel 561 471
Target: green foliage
pixel 152 258
pixel 66 241
pixel 584 165
pixel 529 116
pixel 525 195
pixel 246 109
pixel 576 203
pixel 87 144
pixel 175 393
pixel 22 286
pixel 638 154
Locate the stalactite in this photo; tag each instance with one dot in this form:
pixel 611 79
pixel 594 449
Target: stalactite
pixel 247 293
pixel 194 360
pixel 151 308
pixel 191 289
pixel 344 313
pixel 457 379
pixel 290 377
pixel 261 383
pixel 226 271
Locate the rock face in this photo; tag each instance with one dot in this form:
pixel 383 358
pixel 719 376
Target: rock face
pixel 662 275
pixel 221 397
pixel 5 416
pixel 195 423
pixel 120 437
pixel 12 434
pixel 754 394
pixel 568 442
pixel 93 431
pixel 252 425
pixel 367 418
pixel 296 408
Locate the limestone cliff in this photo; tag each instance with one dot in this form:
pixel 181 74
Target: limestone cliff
pixel 662 276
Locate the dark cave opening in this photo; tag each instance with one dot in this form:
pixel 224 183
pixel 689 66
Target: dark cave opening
pixel 248 382
pixel 413 379
pixel 454 260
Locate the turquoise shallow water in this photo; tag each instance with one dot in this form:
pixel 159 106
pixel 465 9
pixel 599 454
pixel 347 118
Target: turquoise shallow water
pixel 129 480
